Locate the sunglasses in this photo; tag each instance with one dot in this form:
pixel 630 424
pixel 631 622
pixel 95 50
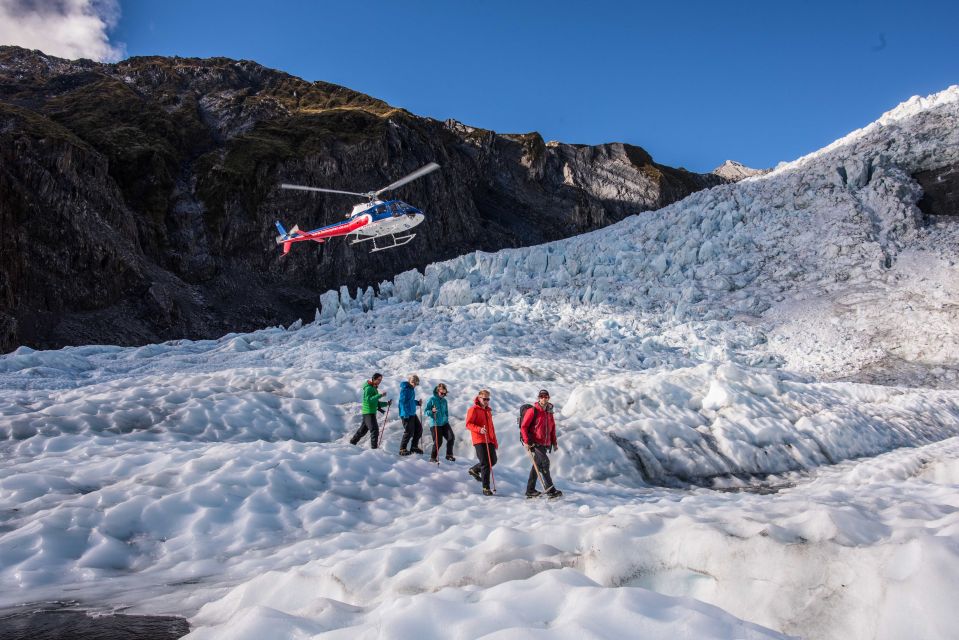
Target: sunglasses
pixel 547 397
pixel 484 399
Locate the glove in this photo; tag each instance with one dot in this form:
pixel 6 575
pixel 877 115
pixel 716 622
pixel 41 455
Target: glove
pixel 419 403
pixel 381 410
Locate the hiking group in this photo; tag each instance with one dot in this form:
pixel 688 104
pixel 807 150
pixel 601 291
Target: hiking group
pixel 537 429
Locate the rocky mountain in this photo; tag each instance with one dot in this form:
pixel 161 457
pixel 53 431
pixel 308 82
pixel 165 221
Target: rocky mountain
pixel 734 171
pixel 137 199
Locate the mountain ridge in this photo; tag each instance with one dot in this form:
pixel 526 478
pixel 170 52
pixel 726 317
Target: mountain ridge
pixel 138 197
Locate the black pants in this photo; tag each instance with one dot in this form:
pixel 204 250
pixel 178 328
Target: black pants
pixel 369 424
pixel 412 428
pixel 487 460
pixel 539 454
pixel 440 432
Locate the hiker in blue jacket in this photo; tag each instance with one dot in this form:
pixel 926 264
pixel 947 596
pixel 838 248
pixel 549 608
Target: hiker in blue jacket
pixel 437 416
pixel 412 427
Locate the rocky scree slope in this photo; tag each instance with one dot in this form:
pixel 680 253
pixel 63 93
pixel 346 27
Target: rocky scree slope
pixel 137 199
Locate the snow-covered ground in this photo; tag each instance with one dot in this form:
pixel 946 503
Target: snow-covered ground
pixel 757 404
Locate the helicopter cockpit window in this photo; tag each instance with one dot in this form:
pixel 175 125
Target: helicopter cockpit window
pixel 396 209
pixel 379 209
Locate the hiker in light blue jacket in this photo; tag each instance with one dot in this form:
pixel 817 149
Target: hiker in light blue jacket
pixel 437 415
pixel 412 429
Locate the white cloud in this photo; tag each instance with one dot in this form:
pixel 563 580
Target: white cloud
pixel 65 28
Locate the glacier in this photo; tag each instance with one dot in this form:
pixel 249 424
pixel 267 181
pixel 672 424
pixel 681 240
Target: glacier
pixel 757 395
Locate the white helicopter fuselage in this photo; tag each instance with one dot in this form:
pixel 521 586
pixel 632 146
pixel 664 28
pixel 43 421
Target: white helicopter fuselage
pixel 396 225
pixel 386 218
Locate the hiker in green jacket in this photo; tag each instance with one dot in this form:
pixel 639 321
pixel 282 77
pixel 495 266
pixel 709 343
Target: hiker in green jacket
pixel 372 402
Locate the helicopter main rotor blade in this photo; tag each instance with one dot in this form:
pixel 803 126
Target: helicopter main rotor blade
pixel 302 188
pixel 419 173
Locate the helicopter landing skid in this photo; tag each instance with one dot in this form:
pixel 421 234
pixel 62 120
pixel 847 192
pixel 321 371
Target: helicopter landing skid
pixel 397 241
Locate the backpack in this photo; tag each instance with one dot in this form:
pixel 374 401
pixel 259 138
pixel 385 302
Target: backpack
pixel 522 414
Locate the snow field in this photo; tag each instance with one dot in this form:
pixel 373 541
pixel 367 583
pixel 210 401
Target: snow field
pixel 858 561
pixel 660 426
pixel 558 603
pixel 175 518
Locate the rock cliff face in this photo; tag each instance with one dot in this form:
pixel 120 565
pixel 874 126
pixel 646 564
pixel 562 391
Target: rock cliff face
pixel 940 189
pixel 137 199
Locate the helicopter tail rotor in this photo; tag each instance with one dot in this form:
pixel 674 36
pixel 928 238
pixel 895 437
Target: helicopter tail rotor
pixel 286 236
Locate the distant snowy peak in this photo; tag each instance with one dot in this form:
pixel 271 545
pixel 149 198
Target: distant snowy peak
pixel 734 171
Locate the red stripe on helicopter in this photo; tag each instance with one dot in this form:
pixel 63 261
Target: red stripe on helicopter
pixel 333 231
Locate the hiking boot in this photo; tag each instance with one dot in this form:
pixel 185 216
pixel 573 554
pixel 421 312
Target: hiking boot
pixel 451 458
pixel 404 452
pixel 533 494
pixel 487 492
pixel 476 474
pixel 554 493
pixel 352 441
pixel 416 450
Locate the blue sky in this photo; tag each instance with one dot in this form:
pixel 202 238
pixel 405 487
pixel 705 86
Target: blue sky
pixel 694 83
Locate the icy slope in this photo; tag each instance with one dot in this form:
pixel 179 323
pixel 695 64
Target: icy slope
pixel 836 229
pixel 721 342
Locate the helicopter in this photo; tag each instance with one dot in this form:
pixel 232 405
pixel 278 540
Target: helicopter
pixel 369 221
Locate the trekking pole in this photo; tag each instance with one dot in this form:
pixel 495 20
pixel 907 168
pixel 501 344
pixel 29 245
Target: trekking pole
pixel 432 433
pixel 386 419
pixel 436 432
pixel 529 452
pixel 420 407
pixel 489 460
pixel 436 448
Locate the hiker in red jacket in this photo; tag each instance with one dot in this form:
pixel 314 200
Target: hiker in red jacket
pixel 538 431
pixel 479 420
